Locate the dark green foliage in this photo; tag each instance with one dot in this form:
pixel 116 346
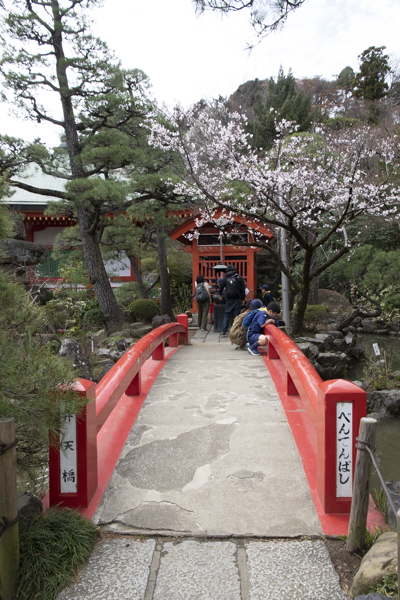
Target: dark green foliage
pixel 126 294
pixel 52 548
pixel 287 103
pixel 144 310
pixel 93 318
pixel 315 313
pixel 345 78
pixel 337 123
pixel 369 83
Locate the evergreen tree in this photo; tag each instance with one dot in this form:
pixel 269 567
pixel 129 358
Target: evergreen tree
pixel 283 101
pixel 370 82
pixel 55 55
pixel 33 379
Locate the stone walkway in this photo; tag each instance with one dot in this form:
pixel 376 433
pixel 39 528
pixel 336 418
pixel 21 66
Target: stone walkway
pixel 209 470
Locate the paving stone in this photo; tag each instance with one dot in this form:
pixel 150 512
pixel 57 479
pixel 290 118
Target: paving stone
pixel 298 570
pixel 193 570
pixel 117 570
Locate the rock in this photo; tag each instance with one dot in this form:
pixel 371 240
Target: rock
pixel 129 342
pixel 350 340
pixel 331 365
pixel 351 329
pixel 382 331
pixel 360 384
pixel 109 365
pixel 380 561
pixel 73 352
pixel 122 345
pixel 394 491
pixel 394 326
pixel 28 505
pixel 373 596
pixel 99 337
pixel 356 352
pixel 142 330
pixel 330 359
pixel 339 345
pixel 115 356
pixel 337 335
pixel 159 320
pixel 360 330
pixel 309 350
pixel 384 402
pixel 103 352
pixel 368 326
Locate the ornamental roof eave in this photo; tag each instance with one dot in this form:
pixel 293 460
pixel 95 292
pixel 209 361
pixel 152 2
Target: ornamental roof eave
pixel 189 225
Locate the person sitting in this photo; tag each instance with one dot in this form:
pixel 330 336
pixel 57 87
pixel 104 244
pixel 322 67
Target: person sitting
pixel 255 333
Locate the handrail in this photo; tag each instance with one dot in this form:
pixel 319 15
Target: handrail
pixel 115 383
pixel 303 374
pixel 335 409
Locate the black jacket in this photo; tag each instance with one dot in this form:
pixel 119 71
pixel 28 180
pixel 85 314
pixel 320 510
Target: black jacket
pixel 240 287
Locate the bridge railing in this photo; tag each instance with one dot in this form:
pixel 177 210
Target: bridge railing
pixel 335 409
pixel 73 473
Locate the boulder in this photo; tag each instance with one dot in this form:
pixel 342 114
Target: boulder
pixel 159 320
pixel 309 350
pixel 99 337
pixel 115 356
pixel 109 365
pixel 28 505
pixel 350 339
pixel 368 326
pixel 73 352
pixel 331 365
pixel 339 345
pixel 384 402
pixel 337 335
pixel 104 352
pixel 380 561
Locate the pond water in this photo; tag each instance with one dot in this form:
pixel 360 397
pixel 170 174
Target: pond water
pixel 387 437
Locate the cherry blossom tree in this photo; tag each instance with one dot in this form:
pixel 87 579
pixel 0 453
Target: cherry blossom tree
pixel 311 185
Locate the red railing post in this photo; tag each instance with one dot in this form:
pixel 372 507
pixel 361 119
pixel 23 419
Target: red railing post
pixel 158 353
pixel 183 337
pixel 341 405
pixel 135 386
pixel 73 457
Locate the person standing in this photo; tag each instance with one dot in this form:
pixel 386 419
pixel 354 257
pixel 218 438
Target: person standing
pixel 267 297
pixel 203 299
pixel 234 287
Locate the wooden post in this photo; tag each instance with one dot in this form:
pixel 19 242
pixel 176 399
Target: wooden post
pixel 9 540
pixel 360 499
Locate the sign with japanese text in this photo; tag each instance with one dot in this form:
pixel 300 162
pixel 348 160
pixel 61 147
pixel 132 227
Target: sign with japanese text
pixel 344 449
pixel 68 456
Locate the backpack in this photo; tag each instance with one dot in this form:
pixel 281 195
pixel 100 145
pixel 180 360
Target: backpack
pixel 237 334
pixel 232 288
pixel 247 321
pixel 201 293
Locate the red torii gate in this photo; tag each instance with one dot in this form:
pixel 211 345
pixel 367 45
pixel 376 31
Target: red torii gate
pixel 208 250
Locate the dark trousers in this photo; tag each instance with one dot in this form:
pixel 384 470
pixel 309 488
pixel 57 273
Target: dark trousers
pixel 232 309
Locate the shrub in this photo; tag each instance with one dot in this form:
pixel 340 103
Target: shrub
pixel 52 548
pixel 315 313
pixel 144 310
pixel 126 294
pixel 182 297
pixel 93 318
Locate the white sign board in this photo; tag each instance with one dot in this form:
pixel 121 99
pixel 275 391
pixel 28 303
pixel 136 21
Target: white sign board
pixel 344 449
pixel 376 349
pixel 68 456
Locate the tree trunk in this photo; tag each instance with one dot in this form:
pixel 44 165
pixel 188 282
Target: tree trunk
pixel 166 307
pixel 138 274
pixel 313 295
pixel 302 299
pixel 113 316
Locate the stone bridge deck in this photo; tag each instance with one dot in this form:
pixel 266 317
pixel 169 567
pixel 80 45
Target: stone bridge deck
pixel 210 469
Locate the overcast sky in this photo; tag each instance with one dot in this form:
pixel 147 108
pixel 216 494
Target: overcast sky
pixel 189 57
